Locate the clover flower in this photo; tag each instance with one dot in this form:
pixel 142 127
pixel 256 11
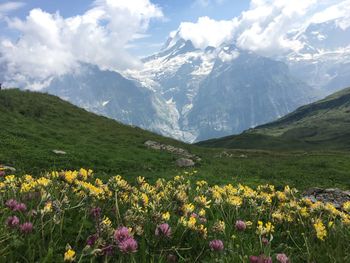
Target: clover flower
pixel 121 234
pixel 216 245
pixel 163 230
pixel 282 258
pixel 128 245
pixel 12 221
pixel 260 259
pixel 91 240
pixel 240 225
pixel 26 228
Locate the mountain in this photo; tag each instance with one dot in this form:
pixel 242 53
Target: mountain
pixel 34 124
pixel 220 91
pixel 324 60
pixel 110 94
pixel 323 125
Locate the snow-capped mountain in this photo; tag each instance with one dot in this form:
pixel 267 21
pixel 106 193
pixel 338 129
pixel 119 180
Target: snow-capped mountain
pixel 220 91
pixel 324 60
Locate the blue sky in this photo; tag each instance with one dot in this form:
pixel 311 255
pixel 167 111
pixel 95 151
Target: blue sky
pixel 174 11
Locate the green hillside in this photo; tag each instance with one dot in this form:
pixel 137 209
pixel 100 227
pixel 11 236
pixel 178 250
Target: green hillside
pixel 323 125
pixel 35 124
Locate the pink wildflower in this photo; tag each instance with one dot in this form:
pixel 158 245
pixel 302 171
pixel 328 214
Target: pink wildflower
pixel 216 245
pixel 163 230
pixel 128 245
pixel 240 225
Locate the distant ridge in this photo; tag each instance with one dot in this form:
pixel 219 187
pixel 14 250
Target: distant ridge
pixel 323 125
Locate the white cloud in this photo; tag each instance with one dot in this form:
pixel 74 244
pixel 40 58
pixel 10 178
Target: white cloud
pixel 52 45
pixel 207 3
pixel 208 32
pixel 8 7
pixel 265 27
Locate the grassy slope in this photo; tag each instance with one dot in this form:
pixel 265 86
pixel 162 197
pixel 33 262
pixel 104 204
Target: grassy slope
pixel 33 124
pixel 323 125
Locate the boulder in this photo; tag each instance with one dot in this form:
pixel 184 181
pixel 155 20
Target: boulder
pixel 183 162
pixel 334 196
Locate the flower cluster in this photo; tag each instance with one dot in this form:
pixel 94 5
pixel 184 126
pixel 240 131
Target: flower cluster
pixel 75 216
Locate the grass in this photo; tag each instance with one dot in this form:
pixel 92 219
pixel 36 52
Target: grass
pixel 34 124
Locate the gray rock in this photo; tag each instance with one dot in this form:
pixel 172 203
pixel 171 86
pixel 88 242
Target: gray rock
pixel 334 196
pixel 171 149
pixel 183 162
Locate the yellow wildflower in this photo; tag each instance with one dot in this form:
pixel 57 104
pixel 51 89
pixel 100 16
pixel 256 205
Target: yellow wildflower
pixel 166 216
pixel 346 206
pixel 69 256
pixel 321 231
pixel 267 229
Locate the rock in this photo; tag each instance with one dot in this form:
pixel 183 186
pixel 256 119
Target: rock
pixel 183 162
pixel 59 152
pixel 172 149
pixel 334 196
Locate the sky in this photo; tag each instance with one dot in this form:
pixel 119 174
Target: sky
pixel 41 39
pixel 174 12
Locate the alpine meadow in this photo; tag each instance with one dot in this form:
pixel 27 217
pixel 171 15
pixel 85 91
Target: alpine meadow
pixel 159 131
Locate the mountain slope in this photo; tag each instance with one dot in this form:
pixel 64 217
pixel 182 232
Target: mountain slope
pixel 223 90
pixel 35 124
pixel 244 92
pixel 321 125
pixel 110 94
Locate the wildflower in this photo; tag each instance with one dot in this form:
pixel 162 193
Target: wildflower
pixel 11 203
pixel 321 231
pixel 346 206
pixel 26 228
pixel 106 222
pixel 121 234
pixel 47 207
pixel 171 258
pixel 219 226
pixel 216 245
pixel 95 212
pixel 69 256
pixel 188 208
pixel 163 230
pixel 166 216
pixel 21 207
pixel 2 173
pixel 107 250
pixel 240 225
pixel 253 259
pixel 91 240
pixel 201 212
pixel 265 241
pixel 264 230
pixel 191 222
pixel 12 221
pixel 129 245
pixel 260 259
pixel 282 258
